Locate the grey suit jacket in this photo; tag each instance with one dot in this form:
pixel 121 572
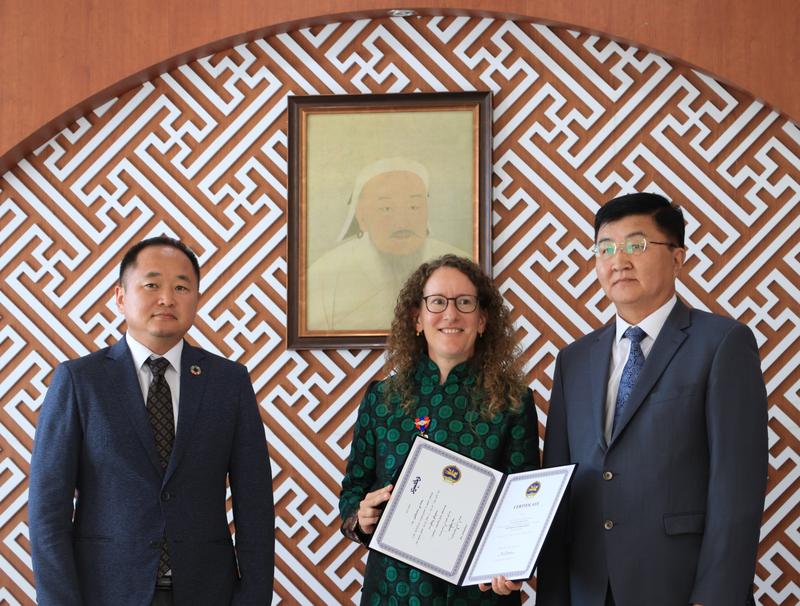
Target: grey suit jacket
pixel 93 437
pixel 669 511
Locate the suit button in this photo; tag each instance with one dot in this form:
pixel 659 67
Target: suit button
pixel 155 544
pixel 608 524
pixel 607 475
pixel 166 496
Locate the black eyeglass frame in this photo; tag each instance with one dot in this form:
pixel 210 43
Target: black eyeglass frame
pixel 455 302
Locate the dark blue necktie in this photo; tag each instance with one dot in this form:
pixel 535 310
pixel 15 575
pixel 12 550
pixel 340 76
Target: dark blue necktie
pixel 630 372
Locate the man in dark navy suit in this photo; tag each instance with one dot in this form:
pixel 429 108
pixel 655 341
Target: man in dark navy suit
pixel 665 412
pixel 134 447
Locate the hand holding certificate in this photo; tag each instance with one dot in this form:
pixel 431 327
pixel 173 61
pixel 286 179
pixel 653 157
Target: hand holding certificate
pixel 465 522
pixel 370 509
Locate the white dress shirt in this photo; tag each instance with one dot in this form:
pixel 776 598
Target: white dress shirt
pixel 652 325
pixel 141 354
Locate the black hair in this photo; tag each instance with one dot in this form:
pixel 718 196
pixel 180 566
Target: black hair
pixel 129 259
pixel 667 215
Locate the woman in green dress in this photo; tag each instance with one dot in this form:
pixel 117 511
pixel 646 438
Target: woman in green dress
pixel 456 376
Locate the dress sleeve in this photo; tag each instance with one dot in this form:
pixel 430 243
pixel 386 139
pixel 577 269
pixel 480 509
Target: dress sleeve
pixel 360 473
pixel 522 438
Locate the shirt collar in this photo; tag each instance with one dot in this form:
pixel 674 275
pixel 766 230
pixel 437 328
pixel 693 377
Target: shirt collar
pixel 140 354
pixel 428 372
pixel 652 324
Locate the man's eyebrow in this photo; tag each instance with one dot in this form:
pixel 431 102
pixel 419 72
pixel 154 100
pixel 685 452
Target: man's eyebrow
pixel 633 233
pixel 157 274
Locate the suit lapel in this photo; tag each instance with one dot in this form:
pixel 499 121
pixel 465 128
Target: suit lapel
pixel 123 375
pixel 193 382
pixel 670 338
pixel 600 363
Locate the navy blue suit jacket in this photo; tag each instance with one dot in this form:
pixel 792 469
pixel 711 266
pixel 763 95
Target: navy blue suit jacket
pixel 93 437
pixel 669 511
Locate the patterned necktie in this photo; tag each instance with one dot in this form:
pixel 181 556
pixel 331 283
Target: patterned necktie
pixel 633 366
pixel 159 409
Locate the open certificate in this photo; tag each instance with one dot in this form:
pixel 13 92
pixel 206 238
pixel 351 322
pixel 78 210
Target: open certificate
pixel 465 522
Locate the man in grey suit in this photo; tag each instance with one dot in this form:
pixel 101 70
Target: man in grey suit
pixel 134 446
pixel 665 412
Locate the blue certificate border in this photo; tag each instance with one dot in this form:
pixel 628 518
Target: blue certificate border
pixel 474 525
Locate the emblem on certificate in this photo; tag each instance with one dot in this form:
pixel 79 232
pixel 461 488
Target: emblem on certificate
pixel 531 491
pixel 451 474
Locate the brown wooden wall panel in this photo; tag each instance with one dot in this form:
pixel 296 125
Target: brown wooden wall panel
pixel 56 55
pixel 577 120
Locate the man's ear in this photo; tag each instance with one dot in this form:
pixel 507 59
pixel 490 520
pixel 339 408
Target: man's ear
pixel 119 297
pixel 678 259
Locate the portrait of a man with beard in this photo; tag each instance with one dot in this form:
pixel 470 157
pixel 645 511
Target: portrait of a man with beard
pixel 384 238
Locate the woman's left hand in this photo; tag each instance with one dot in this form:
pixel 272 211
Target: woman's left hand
pixel 501 585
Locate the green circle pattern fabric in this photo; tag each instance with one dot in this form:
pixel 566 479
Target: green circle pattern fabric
pixel 508 442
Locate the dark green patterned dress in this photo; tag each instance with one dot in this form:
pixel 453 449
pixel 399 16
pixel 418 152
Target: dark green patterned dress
pixel 381 439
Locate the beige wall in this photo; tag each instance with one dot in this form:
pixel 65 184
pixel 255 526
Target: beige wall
pixel 56 55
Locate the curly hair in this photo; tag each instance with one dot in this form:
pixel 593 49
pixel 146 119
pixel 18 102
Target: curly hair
pixel 496 362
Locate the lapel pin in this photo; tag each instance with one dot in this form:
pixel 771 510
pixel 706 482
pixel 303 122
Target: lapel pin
pixel 195 370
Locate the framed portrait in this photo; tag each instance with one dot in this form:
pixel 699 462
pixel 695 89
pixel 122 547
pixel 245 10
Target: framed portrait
pixel 379 184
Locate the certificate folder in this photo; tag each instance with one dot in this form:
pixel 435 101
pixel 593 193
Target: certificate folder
pixel 465 522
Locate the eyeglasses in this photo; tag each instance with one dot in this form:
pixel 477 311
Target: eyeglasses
pixel 436 304
pixel 633 245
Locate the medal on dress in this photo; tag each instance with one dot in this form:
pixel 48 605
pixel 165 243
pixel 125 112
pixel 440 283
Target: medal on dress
pixel 422 423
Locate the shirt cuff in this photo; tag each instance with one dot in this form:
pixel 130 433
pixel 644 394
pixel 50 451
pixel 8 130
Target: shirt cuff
pixel 352 530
